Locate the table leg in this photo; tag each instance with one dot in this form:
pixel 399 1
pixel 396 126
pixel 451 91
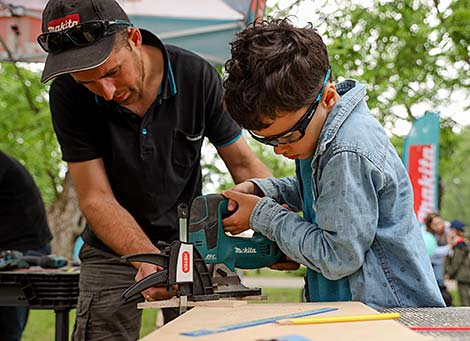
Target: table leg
pixel 61 324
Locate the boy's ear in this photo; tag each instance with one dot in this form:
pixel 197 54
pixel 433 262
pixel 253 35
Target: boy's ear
pixel 331 96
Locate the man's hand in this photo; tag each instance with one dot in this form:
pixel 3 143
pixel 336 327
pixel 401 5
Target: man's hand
pixel 154 293
pixel 239 221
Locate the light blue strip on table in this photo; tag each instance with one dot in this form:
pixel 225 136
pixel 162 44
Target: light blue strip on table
pixel 291 338
pixel 202 332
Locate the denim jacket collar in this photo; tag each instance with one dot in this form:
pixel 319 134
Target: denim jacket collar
pixel 351 92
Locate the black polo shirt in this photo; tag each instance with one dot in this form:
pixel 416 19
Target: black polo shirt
pixel 152 162
pixel 23 222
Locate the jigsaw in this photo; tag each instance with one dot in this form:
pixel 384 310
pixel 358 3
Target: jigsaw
pixel 203 261
pixel 206 232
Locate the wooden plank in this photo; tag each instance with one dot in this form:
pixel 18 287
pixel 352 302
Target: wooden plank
pixel 174 302
pixel 210 318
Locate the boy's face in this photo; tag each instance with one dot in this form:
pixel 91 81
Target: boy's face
pixel 304 147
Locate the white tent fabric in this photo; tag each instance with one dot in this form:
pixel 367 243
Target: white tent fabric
pixel 203 26
pixel 219 10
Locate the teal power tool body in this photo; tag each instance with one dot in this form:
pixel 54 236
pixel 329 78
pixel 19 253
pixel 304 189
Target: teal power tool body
pixel 206 232
pixel 215 258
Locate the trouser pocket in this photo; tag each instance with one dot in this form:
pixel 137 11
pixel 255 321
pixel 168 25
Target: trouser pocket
pixel 83 317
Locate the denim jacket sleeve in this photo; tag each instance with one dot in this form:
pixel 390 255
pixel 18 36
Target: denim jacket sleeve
pixel 346 213
pixel 282 190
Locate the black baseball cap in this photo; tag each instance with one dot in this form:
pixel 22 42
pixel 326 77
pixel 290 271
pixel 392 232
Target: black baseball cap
pixel 59 15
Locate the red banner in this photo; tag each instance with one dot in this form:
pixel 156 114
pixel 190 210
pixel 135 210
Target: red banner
pixel 421 168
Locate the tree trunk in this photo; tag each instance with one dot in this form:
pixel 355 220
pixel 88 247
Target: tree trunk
pixel 65 219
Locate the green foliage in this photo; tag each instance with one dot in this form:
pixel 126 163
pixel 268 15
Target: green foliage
pixel 216 177
pixel 26 130
pixel 448 142
pixel 278 165
pixel 407 52
pixel 456 181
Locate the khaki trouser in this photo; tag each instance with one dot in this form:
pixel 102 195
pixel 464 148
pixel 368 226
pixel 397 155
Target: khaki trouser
pixel 101 312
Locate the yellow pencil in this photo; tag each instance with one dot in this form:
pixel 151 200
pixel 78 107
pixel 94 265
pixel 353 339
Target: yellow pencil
pixel 334 319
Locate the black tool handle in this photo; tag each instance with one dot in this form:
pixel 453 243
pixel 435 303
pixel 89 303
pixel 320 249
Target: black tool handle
pixel 152 258
pixel 160 277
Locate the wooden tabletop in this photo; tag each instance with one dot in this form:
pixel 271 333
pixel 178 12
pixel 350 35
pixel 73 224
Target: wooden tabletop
pixel 214 317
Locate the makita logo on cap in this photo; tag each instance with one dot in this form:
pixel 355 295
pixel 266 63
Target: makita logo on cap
pixel 63 23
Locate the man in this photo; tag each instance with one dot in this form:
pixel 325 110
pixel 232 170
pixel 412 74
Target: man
pixel 130 114
pixel 23 227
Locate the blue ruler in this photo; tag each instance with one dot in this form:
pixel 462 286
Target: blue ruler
pixel 203 332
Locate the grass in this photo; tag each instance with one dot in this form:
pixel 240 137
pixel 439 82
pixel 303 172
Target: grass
pixel 41 324
pixel 266 272
pixel 281 295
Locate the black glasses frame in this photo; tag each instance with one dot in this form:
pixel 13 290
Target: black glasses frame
pixel 70 37
pixel 301 124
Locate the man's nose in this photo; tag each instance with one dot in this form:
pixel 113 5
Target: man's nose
pixel 107 89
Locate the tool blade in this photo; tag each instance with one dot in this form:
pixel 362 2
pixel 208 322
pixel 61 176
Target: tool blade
pixel 227 283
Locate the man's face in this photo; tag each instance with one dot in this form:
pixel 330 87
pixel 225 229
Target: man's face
pixel 119 79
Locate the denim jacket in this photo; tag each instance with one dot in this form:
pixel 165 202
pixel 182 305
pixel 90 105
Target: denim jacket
pixel 365 227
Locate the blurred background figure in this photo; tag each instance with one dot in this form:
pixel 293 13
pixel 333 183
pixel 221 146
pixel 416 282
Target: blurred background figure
pixel 23 227
pixel 458 266
pixel 436 226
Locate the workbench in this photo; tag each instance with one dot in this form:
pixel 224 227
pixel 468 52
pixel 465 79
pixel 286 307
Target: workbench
pixel 215 317
pixel 39 288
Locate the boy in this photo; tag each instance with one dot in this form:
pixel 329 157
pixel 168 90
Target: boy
pixel 358 235
pixel 458 266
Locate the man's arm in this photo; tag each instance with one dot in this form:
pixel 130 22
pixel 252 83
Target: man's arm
pixel 241 162
pixel 111 222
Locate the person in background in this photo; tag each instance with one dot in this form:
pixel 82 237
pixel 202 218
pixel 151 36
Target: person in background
pixel 436 226
pixel 430 242
pixel 23 227
pixel 130 114
pixel 458 263
pixel 358 235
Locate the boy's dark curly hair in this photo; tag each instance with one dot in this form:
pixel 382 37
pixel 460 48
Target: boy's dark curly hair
pixel 275 67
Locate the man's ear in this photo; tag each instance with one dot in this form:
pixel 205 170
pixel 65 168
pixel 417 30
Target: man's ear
pixel 135 36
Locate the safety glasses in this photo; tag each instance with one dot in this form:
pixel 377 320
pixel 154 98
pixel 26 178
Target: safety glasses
pixel 83 34
pixel 297 132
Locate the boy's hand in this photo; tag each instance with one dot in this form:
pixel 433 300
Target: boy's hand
pixel 239 221
pixel 245 187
